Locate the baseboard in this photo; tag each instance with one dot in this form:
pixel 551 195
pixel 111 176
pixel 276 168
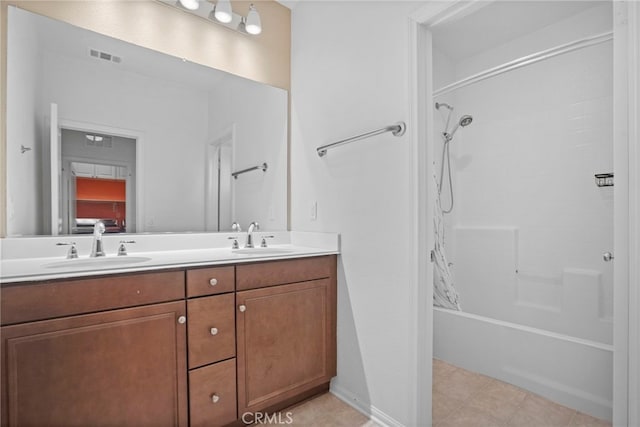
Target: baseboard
pixel 374 414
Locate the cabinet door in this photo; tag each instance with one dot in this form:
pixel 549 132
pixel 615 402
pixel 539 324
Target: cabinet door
pixel 121 172
pixel 118 368
pixel 286 342
pixel 86 170
pixel 105 171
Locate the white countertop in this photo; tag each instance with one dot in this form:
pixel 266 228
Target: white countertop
pixel 152 252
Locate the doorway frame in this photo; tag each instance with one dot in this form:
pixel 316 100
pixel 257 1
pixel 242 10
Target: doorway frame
pixel 626 145
pixel 224 137
pixel 124 133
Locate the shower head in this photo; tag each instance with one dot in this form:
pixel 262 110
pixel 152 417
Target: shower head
pixel 442 104
pixel 464 121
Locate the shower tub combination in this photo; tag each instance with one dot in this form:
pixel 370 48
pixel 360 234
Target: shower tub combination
pixel 520 255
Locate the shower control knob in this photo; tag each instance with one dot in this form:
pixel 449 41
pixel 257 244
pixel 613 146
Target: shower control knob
pixel 607 256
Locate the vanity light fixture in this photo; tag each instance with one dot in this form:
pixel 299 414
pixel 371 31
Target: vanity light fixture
pixel 252 23
pixel 221 13
pixel 189 4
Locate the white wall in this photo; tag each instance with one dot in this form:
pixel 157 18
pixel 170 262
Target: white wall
pixel 349 76
pixel 24 186
pixel 259 113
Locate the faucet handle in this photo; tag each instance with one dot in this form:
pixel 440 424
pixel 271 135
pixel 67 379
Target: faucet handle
pixel 235 244
pixel 263 244
pixel 122 249
pixel 236 227
pixel 73 251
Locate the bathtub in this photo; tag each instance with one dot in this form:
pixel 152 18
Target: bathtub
pixel 571 371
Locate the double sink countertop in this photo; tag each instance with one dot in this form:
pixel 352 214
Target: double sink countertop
pixel 27 259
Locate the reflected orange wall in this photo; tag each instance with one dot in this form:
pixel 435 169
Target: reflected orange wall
pixel 101 210
pixel 112 190
pixel 101 198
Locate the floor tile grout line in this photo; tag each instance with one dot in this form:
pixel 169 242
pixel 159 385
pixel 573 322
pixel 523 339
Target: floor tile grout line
pixel 451 412
pixel 575 413
pixel 519 406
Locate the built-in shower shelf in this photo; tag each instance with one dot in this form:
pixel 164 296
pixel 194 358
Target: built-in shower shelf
pixel 604 179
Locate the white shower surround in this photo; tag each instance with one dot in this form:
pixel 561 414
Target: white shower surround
pixel 529 224
pixel 548 361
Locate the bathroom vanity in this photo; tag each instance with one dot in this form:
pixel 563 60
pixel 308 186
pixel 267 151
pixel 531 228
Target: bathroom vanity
pixel 191 345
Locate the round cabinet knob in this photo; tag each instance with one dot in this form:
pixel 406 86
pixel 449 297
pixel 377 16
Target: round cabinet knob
pixel 607 256
pixel 215 398
pixel 242 308
pixel 182 319
pixel 213 281
pixel 214 331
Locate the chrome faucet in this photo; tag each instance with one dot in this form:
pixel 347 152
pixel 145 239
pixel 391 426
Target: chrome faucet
pixel 252 227
pixel 73 251
pixel 96 247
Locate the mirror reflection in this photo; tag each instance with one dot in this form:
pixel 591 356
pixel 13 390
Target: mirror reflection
pixel 143 141
pixel 98 182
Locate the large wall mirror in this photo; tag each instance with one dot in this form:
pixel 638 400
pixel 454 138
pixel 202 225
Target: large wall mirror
pixel 100 129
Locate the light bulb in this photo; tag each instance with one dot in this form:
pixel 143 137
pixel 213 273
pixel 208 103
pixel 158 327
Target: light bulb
pixel 189 4
pixel 222 11
pixel 252 23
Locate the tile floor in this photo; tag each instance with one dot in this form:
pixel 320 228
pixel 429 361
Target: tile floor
pixel 465 399
pixel 326 410
pixel 460 399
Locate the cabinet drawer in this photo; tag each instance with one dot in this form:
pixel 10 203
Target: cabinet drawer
pixel 212 394
pixel 210 281
pixel 211 329
pixel 46 300
pixel 260 275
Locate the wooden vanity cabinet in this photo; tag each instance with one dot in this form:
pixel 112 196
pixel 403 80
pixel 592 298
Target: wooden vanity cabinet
pixel 211 346
pixel 180 347
pixel 212 329
pixel 124 367
pixel 212 394
pixel 210 281
pixel 286 342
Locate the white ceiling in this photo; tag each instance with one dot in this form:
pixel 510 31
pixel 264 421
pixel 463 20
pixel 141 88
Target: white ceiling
pixel 73 42
pixel 500 21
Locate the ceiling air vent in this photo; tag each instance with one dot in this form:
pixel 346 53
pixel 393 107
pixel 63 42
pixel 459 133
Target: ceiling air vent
pixel 105 56
pixel 98 141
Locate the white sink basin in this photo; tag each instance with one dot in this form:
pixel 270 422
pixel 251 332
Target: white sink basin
pixel 262 251
pixel 97 262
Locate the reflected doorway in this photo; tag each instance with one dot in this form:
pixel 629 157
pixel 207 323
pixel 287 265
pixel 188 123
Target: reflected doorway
pixel 219 197
pixel 98 182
